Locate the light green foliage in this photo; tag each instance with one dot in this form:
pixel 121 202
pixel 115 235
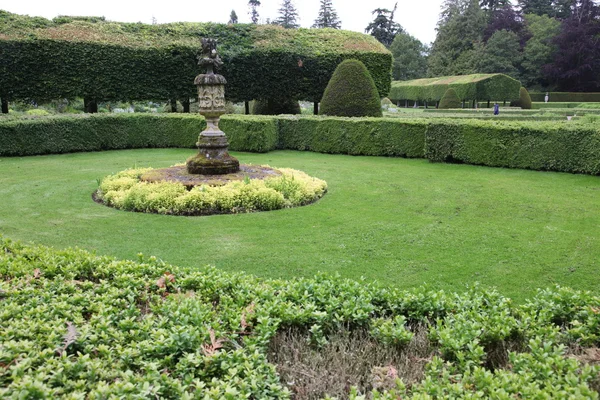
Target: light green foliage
pixel 501 54
pixel 351 92
pixel 461 25
pixel 410 57
pixel 391 332
pixel 77 325
pixel 449 100
pixel 467 87
pixel 539 49
pixel 124 190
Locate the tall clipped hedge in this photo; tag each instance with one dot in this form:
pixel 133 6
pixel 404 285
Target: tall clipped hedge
pixel 351 92
pixel 96 59
pixel 467 87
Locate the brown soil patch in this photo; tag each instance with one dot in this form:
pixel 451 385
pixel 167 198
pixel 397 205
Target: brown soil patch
pixel 350 358
pixel 179 174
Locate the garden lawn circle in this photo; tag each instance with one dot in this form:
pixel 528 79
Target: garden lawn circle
pixel 254 188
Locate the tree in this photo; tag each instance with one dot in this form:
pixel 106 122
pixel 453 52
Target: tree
pixel 459 30
pixel 327 16
pixel 537 7
pixel 287 15
pixel 233 18
pixel 500 54
pixel 539 50
pixel 575 65
pixel 493 5
pixel 351 92
pixel 383 27
pixel 254 4
pixel 506 18
pixel 410 57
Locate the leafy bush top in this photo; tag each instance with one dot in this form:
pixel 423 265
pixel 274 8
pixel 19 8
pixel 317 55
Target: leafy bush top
pixel 351 92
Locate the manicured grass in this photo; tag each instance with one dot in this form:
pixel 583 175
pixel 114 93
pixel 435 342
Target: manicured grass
pixel 403 222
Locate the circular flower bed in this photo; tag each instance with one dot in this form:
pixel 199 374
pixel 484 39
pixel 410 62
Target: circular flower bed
pixel 289 188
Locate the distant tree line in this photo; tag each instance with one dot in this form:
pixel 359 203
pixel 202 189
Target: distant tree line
pixel 546 44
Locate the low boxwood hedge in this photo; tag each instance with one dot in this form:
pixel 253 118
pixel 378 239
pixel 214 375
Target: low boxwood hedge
pixel 567 146
pixel 76 325
pixel 566 97
pixel 529 145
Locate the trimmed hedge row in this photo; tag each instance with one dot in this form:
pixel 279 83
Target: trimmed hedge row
pixel 557 146
pixel 50 135
pixel 566 97
pixel 102 60
pixel 76 325
pixel 538 146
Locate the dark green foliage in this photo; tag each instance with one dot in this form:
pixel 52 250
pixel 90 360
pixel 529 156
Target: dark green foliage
pixel 51 135
pixel 410 57
pixel 250 133
pixel 254 4
pixel 383 27
pixel 106 61
pixel 468 87
pixel 567 97
pixel 450 100
pixel 538 146
pixel 351 92
pixel 524 99
pixel 365 136
pixel 275 107
pixel 288 16
pixel 327 17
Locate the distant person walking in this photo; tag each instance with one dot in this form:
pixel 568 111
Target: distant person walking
pixel 496 109
pixel 546 98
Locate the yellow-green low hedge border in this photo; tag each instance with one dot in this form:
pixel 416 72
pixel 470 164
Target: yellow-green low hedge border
pixel 566 146
pixel 292 188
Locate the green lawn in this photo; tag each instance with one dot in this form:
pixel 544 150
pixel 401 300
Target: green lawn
pixel 403 222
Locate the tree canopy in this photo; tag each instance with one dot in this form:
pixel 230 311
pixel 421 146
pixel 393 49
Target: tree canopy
pixel 383 27
pixel 288 16
pixel 327 17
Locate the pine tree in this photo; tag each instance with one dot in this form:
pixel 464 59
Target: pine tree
pixel 254 4
pixel 327 16
pixel 233 18
pixel 383 27
pixel 287 15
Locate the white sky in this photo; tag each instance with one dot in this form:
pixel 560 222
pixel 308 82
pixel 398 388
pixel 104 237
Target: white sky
pixel 418 18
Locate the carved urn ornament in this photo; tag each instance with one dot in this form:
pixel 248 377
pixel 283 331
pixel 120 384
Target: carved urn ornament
pixel 212 157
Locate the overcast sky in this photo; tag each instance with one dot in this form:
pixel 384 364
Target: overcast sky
pixel 417 17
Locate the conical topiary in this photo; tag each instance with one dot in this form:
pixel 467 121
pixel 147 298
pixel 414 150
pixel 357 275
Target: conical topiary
pixel 351 92
pixel 524 99
pixel 449 100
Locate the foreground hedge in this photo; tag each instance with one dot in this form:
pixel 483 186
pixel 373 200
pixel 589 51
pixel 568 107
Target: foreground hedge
pixel 77 326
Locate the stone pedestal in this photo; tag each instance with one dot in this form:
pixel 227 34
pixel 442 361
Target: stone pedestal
pixel 212 157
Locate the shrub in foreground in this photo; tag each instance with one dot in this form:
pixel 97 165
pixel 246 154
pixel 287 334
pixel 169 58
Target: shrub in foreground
pixel 351 92
pixel 292 188
pixel 75 325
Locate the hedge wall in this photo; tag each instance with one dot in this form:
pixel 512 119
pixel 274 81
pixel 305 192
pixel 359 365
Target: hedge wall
pixel 95 59
pixel 49 135
pixel 557 146
pixel 538 146
pixel 566 97
pixel 468 87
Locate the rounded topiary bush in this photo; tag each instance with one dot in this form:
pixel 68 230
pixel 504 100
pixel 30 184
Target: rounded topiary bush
pixel 449 100
pixel 351 92
pixel 275 107
pixel 524 99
